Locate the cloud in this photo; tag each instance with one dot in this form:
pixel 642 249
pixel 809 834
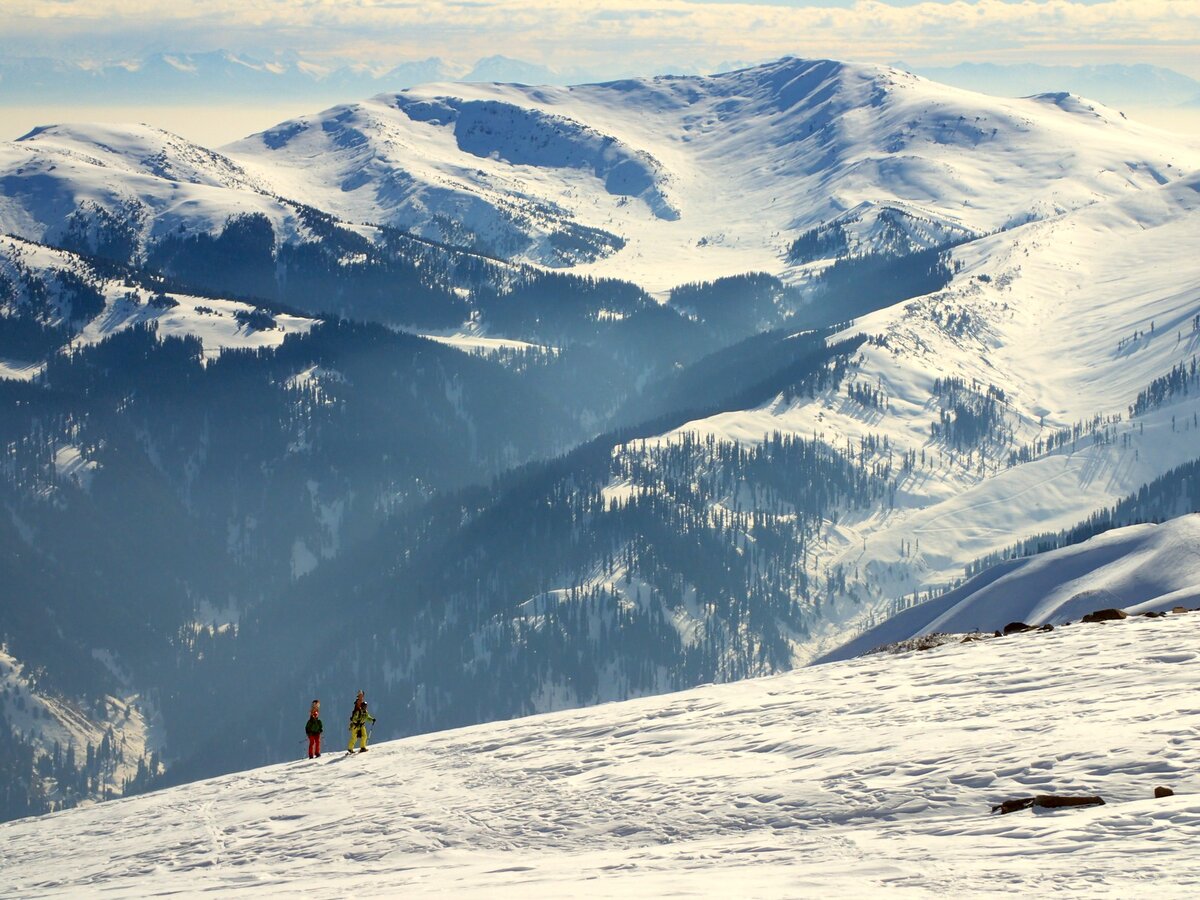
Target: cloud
pixel 640 34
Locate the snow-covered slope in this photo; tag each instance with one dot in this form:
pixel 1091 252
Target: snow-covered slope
pixel 134 181
pixel 1140 568
pixel 708 176
pixel 219 324
pixel 121 732
pixel 1063 323
pixel 838 780
pixel 659 181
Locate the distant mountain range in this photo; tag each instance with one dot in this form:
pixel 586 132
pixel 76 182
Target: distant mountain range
pixel 221 75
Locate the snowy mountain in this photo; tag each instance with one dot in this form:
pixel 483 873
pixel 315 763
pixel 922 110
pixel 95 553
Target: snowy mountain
pixel 701 177
pixel 1027 393
pixel 191 78
pixel 500 69
pixel 151 201
pixel 1140 568
pixel 222 75
pixel 844 779
pixel 1120 86
pixel 222 433
pixel 658 181
pixel 57 288
pixel 117 189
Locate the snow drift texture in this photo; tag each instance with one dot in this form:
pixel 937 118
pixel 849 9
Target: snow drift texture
pixel 841 780
pixel 1141 568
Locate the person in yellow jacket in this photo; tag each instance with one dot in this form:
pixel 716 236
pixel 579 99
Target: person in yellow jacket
pixel 359 718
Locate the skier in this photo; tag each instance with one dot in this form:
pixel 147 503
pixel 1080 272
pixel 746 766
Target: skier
pixel 359 718
pixel 313 729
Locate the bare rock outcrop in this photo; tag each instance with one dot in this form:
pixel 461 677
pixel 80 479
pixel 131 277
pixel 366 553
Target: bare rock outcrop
pixel 1105 615
pixel 1045 801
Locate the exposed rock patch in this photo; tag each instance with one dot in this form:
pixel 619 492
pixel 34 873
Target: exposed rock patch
pixel 1045 801
pixel 1105 615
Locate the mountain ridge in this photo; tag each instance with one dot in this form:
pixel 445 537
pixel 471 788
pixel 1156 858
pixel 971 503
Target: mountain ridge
pixel 662 204
pixel 839 134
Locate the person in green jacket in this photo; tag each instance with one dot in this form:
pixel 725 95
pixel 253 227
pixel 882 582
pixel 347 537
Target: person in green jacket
pixel 313 729
pixel 359 718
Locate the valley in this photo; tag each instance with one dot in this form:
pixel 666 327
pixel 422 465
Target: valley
pixel 499 400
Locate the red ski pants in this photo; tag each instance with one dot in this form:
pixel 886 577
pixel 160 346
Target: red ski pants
pixel 314 745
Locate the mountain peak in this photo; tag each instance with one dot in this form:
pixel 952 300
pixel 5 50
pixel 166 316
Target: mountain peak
pixel 836 137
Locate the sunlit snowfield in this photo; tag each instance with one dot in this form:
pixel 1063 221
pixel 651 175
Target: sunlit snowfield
pixel 838 780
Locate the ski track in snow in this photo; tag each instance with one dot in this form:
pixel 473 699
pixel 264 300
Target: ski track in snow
pixel 840 779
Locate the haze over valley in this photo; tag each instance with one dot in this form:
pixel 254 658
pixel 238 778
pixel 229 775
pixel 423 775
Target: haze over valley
pixel 497 399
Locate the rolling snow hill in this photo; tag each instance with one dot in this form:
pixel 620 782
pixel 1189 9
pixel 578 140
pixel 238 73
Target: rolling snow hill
pixel 702 177
pixel 659 181
pixel 64 183
pixel 843 779
pixel 1140 568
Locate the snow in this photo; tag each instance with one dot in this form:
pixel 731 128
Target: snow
pixel 69 463
pixel 837 780
pixel 313 374
pixel 1047 312
pixel 59 170
pixel 470 342
pixel 619 492
pixel 730 168
pixel 47 718
pixel 18 370
pixel 1140 568
pixel 213 321
pixel 303 559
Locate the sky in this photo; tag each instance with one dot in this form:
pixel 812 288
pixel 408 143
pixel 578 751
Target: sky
pixel 605 39
pixel 635 34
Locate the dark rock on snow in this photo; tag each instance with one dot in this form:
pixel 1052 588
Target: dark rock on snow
pixel 1105 615
pixel 1045 801
pixel 1160 792
pixel 1055 801
pixel 1017 628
